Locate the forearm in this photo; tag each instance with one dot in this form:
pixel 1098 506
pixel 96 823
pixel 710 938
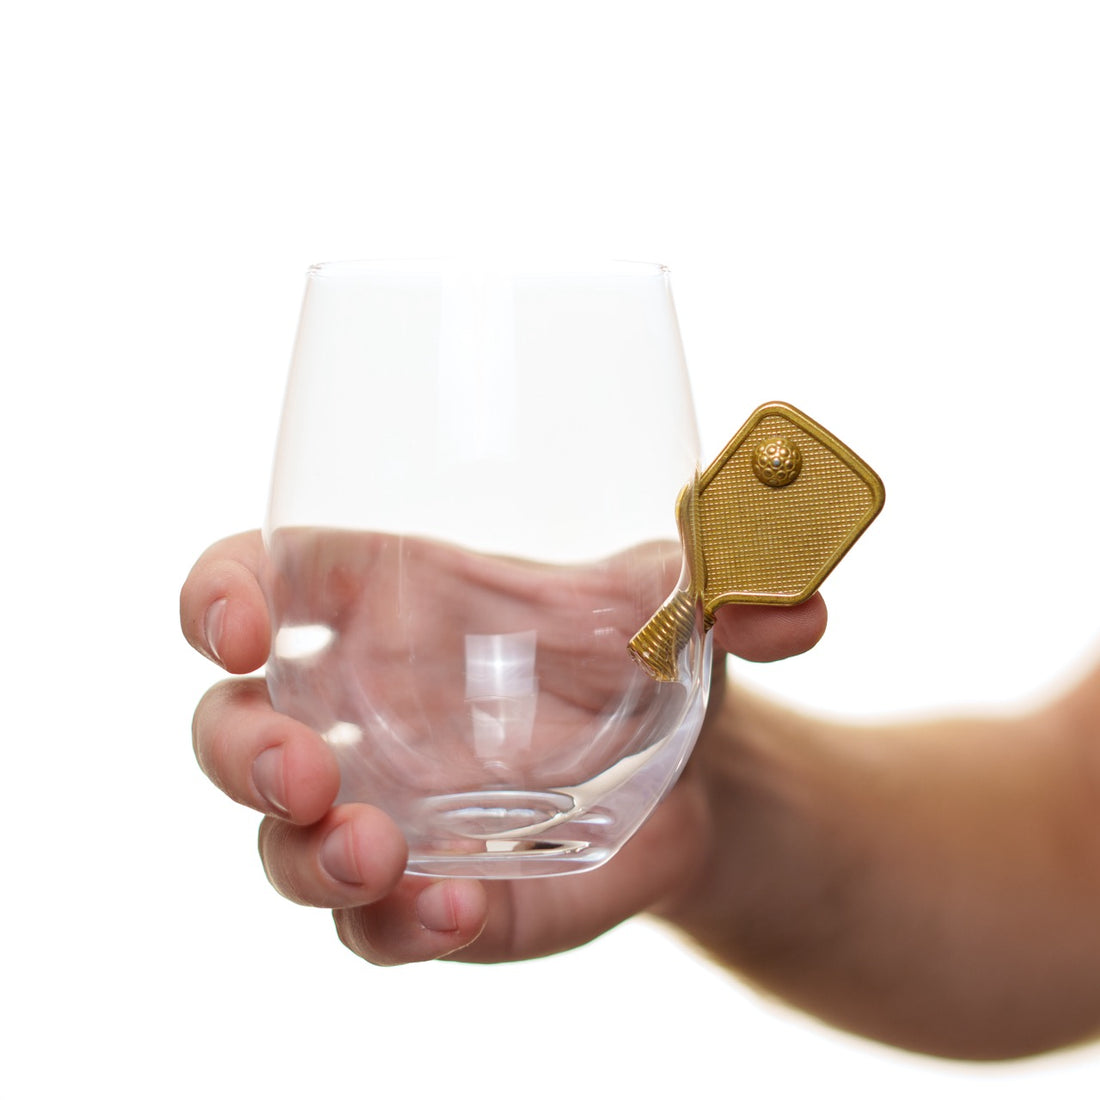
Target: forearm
pixel 936 887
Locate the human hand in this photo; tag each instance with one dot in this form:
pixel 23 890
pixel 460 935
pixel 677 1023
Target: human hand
pixel 351 857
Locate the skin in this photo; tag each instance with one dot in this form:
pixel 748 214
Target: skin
pixel 350 858
pixel 930 886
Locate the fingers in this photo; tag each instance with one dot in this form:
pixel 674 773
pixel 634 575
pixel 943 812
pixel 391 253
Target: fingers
pixel 503 921
pixel 352 856
pixel 473 921
pixel 222 608
pixel 353 862
pixel 765 633
pixel 261 758
pixel 421 919
pixel 348 858
pixel 343 862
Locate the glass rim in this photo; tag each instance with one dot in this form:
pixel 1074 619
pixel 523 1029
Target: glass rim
pixel 533 267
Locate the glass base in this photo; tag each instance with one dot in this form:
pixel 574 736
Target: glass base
pixel 524 859
pixel 508 834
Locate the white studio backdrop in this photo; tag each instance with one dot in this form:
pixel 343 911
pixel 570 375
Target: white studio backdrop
pixel 885 214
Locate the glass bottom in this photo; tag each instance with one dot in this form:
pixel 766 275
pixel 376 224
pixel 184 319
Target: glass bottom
pixel 526 859
pixel 508 834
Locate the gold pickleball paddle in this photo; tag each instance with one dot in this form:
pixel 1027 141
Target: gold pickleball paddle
pixel 765 523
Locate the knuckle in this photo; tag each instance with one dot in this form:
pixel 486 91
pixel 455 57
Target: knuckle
pixel 276 844
pixel 224 730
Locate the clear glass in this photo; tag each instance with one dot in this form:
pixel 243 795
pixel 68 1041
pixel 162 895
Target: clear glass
pixel 472 512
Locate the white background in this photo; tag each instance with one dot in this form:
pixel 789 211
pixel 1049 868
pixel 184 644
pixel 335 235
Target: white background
pixel 884 213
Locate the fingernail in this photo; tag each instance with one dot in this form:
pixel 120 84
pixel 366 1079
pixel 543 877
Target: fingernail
pixel 435 908
pixel 338 858
pixel 212 626
pixel 268 778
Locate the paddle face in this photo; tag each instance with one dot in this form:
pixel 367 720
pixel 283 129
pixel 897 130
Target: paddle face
pixel 765 523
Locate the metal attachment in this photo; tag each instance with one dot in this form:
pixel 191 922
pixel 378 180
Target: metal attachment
pixel 777 462
pixel 746 543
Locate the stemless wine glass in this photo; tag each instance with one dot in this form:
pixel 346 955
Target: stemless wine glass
pixel 473 510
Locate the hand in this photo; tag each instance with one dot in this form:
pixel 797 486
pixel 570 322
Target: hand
pixel 351 858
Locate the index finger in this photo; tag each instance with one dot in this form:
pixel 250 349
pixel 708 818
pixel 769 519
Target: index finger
pixel 223 612
pixel 758 632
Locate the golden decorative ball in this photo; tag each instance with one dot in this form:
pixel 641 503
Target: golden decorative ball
pixel 777 462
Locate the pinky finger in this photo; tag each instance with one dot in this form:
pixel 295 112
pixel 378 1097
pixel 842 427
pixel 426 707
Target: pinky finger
pixel 420 920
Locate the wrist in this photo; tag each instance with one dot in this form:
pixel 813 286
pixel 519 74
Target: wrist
pixel 763 776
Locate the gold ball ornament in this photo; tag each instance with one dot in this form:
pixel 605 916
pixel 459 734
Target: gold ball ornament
pixel 777 462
